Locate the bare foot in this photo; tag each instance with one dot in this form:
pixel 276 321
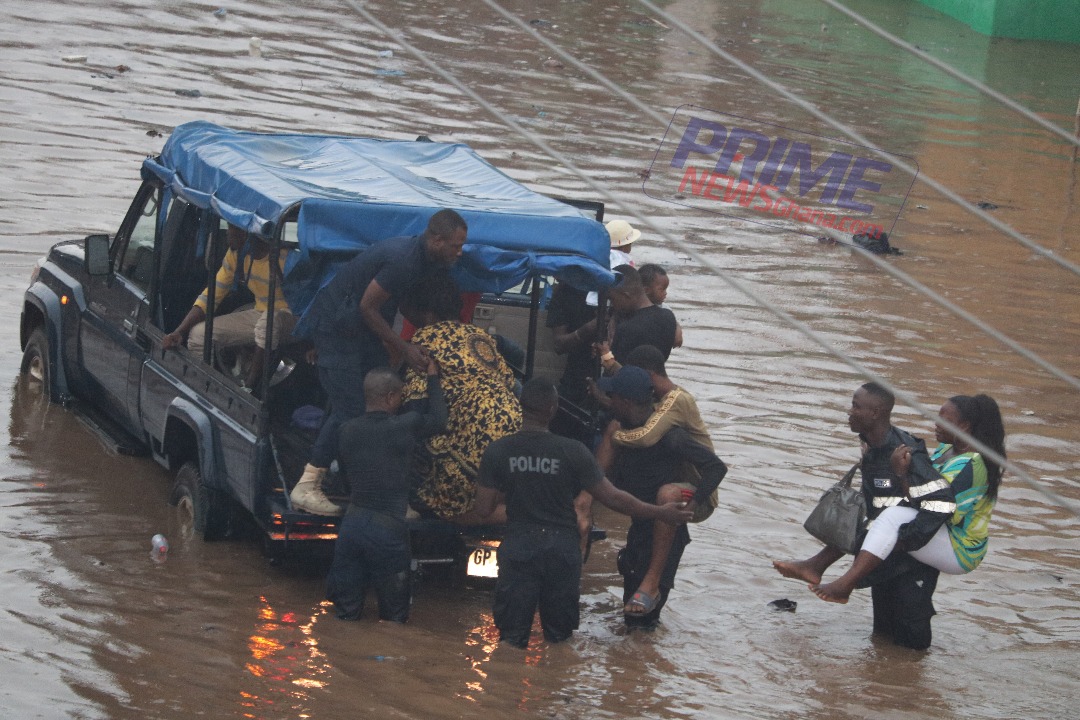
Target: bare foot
pixel 836 592
pixel 799 570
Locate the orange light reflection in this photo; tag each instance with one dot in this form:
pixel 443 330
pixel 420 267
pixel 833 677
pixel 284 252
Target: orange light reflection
pixel 286 663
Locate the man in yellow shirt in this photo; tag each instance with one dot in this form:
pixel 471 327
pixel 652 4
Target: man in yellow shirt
pixel 247 325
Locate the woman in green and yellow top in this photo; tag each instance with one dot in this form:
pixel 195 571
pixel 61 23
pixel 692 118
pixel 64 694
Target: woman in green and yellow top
pixel 959 544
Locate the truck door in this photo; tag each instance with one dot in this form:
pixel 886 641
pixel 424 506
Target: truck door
pixel 111 341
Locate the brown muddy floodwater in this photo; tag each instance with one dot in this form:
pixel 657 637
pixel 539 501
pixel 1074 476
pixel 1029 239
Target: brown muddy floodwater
pixel 94 629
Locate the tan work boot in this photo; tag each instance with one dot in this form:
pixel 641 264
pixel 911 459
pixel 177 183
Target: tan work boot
pixel 308 495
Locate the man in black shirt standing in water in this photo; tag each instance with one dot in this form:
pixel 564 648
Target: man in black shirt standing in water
pixel 540 474
pixel 375 453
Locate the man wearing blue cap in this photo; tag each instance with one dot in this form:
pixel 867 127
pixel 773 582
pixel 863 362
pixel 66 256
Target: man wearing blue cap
pixel 649 474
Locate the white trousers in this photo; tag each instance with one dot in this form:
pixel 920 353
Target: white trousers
pixel 938 553
pixel 243 327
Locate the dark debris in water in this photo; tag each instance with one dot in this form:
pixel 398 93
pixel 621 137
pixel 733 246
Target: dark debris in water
pixel 184 92
pixel 986 205
pixel 877 244
pixel 784 605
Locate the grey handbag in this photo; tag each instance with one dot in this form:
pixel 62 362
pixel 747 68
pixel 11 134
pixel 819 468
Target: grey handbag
pixel 839 516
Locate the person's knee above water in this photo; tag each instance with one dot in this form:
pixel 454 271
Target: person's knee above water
pixel 246 264
pixel 962 514
pixel 479 387
pixel 675 407
pixel 375 454
pixel 350 324
pixel 539 474
pixel 870 417
pixel 645 472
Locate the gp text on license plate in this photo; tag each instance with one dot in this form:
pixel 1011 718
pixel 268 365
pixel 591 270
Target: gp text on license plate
pixel 483 561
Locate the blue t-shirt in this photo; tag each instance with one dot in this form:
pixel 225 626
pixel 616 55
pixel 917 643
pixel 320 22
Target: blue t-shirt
pixel 340 335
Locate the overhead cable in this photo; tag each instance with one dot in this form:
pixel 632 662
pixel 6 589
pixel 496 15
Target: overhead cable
pixel 871 257
pixel 810 333
pixel 858 138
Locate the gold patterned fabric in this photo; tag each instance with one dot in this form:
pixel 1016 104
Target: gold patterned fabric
pixel 478 385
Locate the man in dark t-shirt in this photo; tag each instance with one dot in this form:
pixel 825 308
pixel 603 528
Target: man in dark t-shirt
pixel 573 329
pixel 540 474
pixel 376 453
pixel 637 322
pixel 350 323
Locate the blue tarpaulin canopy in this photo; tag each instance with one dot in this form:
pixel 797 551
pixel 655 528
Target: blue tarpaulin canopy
pixel 353 192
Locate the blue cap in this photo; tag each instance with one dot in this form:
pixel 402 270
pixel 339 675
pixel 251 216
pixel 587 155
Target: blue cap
pixel 631 382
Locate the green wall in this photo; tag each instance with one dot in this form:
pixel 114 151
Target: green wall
pixel 1032 19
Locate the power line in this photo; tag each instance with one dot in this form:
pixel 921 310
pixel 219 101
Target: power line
pixel 723 275
pixel 881 264
pixel 858 138
pixel 948 69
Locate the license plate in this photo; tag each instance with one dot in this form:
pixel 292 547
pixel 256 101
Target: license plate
pixel 483 562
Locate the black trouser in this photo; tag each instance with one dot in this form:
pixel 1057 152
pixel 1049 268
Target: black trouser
pixel 372 551
pixel 538 567
pixel 902 590
pixel 633 563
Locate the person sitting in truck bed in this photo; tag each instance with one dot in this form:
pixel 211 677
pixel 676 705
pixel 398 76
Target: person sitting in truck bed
pixel 479 388
pixel 246 264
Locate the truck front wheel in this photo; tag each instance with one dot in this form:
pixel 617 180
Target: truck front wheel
pixel 201 510
pixel 35 362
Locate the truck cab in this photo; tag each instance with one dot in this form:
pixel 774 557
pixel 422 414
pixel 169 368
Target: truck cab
pixel 97 311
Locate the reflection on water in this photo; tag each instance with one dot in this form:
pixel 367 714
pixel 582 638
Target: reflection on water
pixel 286 660
pixel 103 632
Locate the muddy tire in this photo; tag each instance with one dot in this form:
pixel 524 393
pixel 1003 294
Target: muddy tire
pixel 200 510
pixel 35 370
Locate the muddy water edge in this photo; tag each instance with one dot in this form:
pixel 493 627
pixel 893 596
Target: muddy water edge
pixel 94 629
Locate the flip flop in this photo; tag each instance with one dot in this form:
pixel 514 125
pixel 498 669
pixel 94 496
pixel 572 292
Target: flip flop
pixel 642 600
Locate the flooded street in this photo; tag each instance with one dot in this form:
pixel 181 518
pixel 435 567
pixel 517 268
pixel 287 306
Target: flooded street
pixel 94 629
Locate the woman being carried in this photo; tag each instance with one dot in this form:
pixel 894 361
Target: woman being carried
pixel 959 544
pixel 478 385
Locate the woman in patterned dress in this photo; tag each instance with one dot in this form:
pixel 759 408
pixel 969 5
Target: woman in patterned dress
pixel 478 385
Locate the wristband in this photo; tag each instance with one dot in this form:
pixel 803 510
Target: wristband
pixel 607 357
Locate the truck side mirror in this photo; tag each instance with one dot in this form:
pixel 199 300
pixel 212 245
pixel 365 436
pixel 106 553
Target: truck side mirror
pixel 96 255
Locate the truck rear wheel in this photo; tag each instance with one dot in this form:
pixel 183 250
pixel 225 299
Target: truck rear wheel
pixel 201 510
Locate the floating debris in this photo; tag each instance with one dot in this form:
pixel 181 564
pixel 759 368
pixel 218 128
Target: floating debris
pixel 385 53
pixel 188 93
pixel 552 64
pixel 74 58
pixel 877 244
pixel 542 23
pixel 220 13
pixel 389 73
pixel 986 205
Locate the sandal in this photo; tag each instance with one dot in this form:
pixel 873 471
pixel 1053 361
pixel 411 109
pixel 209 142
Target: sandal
pixel 641 603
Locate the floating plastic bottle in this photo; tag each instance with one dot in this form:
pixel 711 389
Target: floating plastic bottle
pixel 160 548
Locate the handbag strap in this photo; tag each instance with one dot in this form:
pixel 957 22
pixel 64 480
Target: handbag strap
pixel 846 481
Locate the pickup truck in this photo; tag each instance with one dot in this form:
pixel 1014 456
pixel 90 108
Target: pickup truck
pixel 97 309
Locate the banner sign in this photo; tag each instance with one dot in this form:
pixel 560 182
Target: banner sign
pixel 770 174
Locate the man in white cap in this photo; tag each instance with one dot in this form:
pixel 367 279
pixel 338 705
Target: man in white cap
pixel 623 236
